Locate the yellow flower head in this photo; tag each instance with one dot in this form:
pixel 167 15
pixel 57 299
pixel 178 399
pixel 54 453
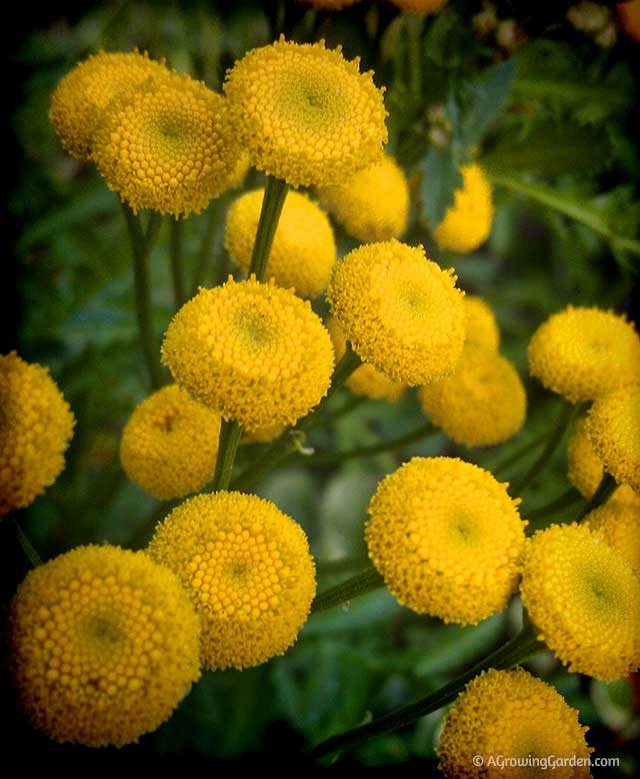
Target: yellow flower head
pixel 613 427
pixel 248 570
pixel 167 145
pixel 618 521
pixel 581 353
pixel 467 223
pixel 482 403
pixel 401 312
pixel 36 425
pixel 104 645
pixel 511 715
pixel 365 380
pixel 584 599
pixel 83 94
pixel 170 443
pixel 420 7
pixel 372 205
pixel 303 251
pixel 306 114
pixel 447 539
pixel 255 352
pixel 482 328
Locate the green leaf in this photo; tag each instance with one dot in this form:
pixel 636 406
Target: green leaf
pixel 440 178
pixel 489 95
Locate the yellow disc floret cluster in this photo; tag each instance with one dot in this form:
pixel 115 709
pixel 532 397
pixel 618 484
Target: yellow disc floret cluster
pixel 613 427
pixel 306 115
pixel 167 145
pixel 482 403
pixel 447 539
pixel 248 570
pixel 512 717
pixel 365 380
pixel 582 353
pixel 170 443
pixel 584 598
pixel 372 205
pixel 482 328
pixel 420 7
pixel 303 250
pixel 401 312
pixel 618 521
pixel 84 93
pixel 104 645
pixel 467 223
pixel 255 352
pixel 36 425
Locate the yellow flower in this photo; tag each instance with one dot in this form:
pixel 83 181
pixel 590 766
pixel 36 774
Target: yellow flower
pixel 513 717
pixel 83 94
pixel 482 328
pixel 104 645
pixel 372 205
pixel 303 251
pixel 467 223
pixel 365 380
pixel 584 599
pixel 170 443
pixel 581 353
pixel 482 403
pixel 167 145
pixel 401 312
pixel 306 114
pixel 36 425
pixel 585 467
pixel 613 427
pixel 420 7
pixel 255 352
pixel 248 570
pixel 447 539
pixel 618 522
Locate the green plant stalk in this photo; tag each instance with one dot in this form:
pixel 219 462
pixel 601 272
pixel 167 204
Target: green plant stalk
pixel 230 432
pixel 214 216
pixel 275 193
pixel 175 252
pixel 602 494
pixel 504 657
pixel 366 581
pixel 518 454
pixel 27 547
pixel 564 501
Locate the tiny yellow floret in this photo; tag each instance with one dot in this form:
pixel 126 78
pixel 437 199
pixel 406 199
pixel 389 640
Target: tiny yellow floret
pixel 401 312
pixel 584 598
pixel 482 328
pixel 104 645
pixel 447 539
pixel 36 425
pixel 248 570
pixel 503 722
pixel 255 352
pixel 467 223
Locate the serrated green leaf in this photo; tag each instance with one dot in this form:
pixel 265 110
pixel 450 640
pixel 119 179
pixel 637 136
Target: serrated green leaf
pixel 489 95
pixel 440 178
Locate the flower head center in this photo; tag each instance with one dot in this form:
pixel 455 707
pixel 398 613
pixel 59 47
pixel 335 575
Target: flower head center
pixel 103 632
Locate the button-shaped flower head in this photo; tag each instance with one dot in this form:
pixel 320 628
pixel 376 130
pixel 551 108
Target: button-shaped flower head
pixel 467 223
pixel 482 328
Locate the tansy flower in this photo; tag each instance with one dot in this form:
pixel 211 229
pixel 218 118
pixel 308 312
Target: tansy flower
pixel 365 380
pixel 247 568
pixel 420 7
pixel 255 352
pixel 581 353
pixel 467 223
pixel 303 250
pixel 584 599
pixel 306 115
pixel 613 427
pixel 170 443
pixel 104 645
pixel 482 328
pixel 482 403
pixel 447 539
pixel 619 523
pixel 167 145
pixel 513 716
pixel 36 425
pixel 372 205
pixel 83 94
pixel 401 312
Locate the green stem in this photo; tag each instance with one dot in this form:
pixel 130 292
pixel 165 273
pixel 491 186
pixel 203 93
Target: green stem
pixel 175 251
pixel 141 245
pixel 275 192
pixel 567 414
pixel 505 657
pixel 230 432
pixel 27 547
pixel 360 584
pixel 518 454
pixel 602 494
pixel 413 26
pixel 564 501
